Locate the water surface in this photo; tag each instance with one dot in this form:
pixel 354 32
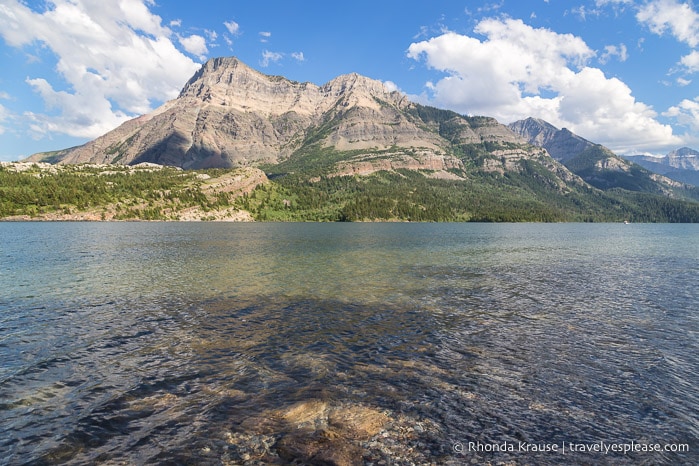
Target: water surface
pixel 173 342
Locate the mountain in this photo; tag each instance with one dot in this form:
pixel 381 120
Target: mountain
pixel 560 143
pixel 596 164
pixel 680 165
pixel 684 158
pixel 351 149
pixel 229 115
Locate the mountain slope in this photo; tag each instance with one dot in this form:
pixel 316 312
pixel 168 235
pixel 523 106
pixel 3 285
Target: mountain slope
pixel 596 164
pixel 560 143
pixel 353 150
pixel 681 165
pixel 230 115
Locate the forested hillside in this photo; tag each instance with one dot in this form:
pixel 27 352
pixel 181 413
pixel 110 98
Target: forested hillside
pixel 125 193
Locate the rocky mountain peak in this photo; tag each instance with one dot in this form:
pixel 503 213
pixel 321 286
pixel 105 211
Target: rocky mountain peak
pixel 229 114
pixel 228 82
pixel 684 152
pixel 356 90
pixel 683 158
pixel 215 72
pixel 561 144
pixel 534 130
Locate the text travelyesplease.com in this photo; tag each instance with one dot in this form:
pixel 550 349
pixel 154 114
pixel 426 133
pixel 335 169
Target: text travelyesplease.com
pixel 569 447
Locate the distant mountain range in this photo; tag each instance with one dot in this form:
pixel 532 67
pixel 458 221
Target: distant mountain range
pixel 681 164
pixel 398 159
pixel 594 163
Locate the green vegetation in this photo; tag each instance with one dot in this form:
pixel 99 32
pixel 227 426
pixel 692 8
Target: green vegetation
pixel 132 193
pixel 411 196
pixel 531 193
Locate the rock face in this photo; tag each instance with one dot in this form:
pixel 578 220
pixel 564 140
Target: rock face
pixel 594 163
pixel 681 164
pixel 229 115
pixel 560 143
pixel 684 158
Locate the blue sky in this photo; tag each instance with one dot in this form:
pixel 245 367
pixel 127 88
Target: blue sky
pixel 623 73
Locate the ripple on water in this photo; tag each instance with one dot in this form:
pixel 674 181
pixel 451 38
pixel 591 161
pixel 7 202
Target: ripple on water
pixel 466 343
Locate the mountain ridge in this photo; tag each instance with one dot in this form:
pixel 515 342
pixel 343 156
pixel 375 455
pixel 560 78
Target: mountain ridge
pixel 594 163
pixel 230 115
pixel 561 144
pixel 352 149
pixel 680 164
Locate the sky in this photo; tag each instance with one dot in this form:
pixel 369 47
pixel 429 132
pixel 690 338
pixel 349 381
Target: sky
pixel 623 73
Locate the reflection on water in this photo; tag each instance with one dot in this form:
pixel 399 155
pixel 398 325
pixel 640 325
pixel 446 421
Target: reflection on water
pixel 343 344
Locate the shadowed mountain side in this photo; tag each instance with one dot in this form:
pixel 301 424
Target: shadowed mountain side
pixel 230 115
pixel 596 164
pixel 561 144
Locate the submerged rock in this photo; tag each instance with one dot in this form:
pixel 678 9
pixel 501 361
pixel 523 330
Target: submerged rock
pixel 318 448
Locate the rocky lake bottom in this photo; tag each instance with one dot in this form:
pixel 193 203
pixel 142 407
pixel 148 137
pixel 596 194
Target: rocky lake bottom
pixel 375 344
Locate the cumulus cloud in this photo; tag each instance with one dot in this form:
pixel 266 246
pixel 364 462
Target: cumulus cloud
pixel 687 113
pixel 518 71
pixel 680 20
pixel 117 58
pixel 391 86
pixel 670 15
pixel 691 61
pixel 195 44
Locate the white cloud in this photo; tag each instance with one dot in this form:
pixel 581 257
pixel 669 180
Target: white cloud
pixel 233 27
pixel 264 36
pixel 691 61
pixel 582 12
pixel 4 116
pixel 519 71
pixel 611 51
pixel 117 58
pixel 298 56
pixel 195 44
pixel 686 113
pixel 679 18
pixel 86 114
pixel 391 86
pixel 270 57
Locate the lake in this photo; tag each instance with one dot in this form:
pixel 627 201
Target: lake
pixel 387 343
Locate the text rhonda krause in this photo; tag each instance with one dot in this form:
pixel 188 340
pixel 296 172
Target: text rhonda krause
pixel 571 447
